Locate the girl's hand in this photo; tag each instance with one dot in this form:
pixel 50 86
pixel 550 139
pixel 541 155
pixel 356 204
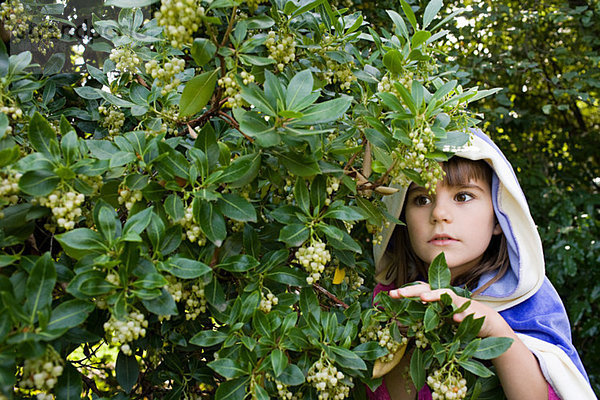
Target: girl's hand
pixel 493 325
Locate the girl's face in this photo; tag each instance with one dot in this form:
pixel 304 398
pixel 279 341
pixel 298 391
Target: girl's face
pixel 457 220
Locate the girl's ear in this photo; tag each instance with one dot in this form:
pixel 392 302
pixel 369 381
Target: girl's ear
pixel 497 229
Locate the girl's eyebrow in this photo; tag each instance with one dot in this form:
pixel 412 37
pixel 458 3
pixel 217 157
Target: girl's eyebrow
pixel 470 185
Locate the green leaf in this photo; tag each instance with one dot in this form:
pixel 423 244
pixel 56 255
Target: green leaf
pixel 347 358
pixel 300 164
pixel 9 155
pixel 327 111
pixel 161 305
pixel 433 7
pixel 399 22
pixel 294 235
pixel 292 376
pixel 211 221
pixel 301 195
pixel 236 207
pixel 491 347
pixel 419 38
pixel 238 263
pixel 39 183
pixel 299 88
pixel 242 170
pixel 208 338
pixel 81 242
pixel 393 61
pixel 197 92
pixel 431 319
pixel 138 222
pixel 54 64
pixel 69 314
pixel 174 207
pixel 287 275
pixel 344 213
pixel 70 146
pixel 370 351
pixel 279 362
pixel 227 368
pixel 203 50
pixel 413 21
pixel 156 231
pixel 476 368
pixel 40 285
pixel 69 385
pixel 130 3
pixel 185 268
pixel 127 371
pixel 439 273
pixel 232 390
pixel 417 368
pixel 107 221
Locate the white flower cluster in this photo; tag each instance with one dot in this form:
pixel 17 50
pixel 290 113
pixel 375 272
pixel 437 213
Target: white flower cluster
pixel 165 73
pixel 113 119
pixel 267 302
pixel 387 85
pixel 192 231
pixel 333 185
pixel 447 385
pixel 421 340
pixel 43 35
pixel 125 59
pixel 328 380
pixel 12 112
pixel 16 19
pixel 65 207
pixel 124 332
pixel 191 293
pixel 253 4
pixel 339 73
pixel 313 258
pixel 385 339
pixel 42 373
pixel 233 89
pixel 180 19
pixel 283 391
pixel 376 231
pixel 282 49
pixel 195 300
pixel 9 188
pixel 129 197
pixel 94 182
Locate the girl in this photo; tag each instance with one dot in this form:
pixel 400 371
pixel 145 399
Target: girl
pixel 478 216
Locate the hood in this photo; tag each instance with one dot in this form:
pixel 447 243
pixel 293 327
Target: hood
pixel 527 272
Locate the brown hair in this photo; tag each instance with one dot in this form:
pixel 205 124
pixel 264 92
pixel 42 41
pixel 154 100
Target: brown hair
pixel 409 267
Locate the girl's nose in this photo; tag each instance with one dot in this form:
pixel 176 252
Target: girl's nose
pixel 440 212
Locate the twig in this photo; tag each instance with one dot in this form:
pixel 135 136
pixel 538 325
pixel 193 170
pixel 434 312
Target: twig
pixel 330 295
pixel 234 123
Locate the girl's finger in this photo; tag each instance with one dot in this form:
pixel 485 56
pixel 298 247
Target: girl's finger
pixel 409 291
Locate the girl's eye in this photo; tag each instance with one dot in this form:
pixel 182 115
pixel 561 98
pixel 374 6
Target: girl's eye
pixel 462 197
pixel 422 200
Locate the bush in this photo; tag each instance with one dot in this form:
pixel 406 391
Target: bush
pixel 194 216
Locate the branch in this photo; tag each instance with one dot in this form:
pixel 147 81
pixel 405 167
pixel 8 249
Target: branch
pixel 330 295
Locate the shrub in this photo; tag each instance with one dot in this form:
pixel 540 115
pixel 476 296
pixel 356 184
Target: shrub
pixel 194 216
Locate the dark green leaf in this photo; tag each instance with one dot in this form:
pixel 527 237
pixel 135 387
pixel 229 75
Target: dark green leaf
pixel 476 368
pixel 208 338
pixel 294 235
pixel 185 268
pixel 439 273
pixel 70 314
pixel 40 284
pixel 238 263
pixel 69 385
pixel 369 351
pixel 347 358
pixel 491 347
pixel 127 371
pixel 41 135
pixel 417 368
pixel 300 164
pixel 292 376
pixel 227 368
pixel 39 183
pixel 236 207
pixel 232 390
pixel 203 50
pixel 279 362
pixel 211 221
pixel 81 242
pixel 161 305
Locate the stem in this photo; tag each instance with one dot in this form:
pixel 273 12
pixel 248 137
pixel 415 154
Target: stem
pixel 330 295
